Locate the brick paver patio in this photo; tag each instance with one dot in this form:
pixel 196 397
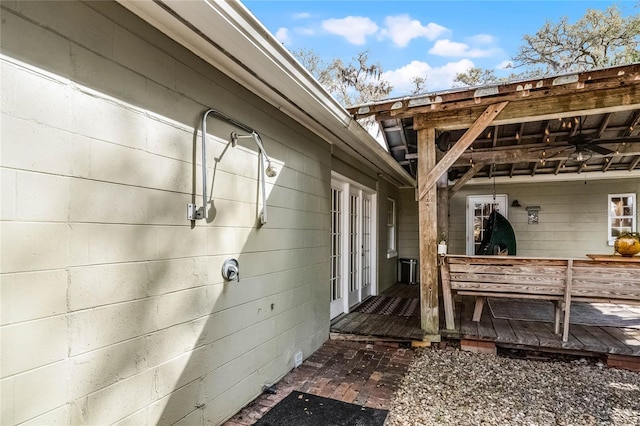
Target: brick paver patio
pixel 357 372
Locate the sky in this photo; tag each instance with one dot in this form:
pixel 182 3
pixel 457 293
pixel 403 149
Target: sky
pixel 409 38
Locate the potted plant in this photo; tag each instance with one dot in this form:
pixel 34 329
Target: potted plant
pixel 627 244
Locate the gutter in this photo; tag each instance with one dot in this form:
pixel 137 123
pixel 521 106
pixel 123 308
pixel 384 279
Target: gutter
pixel 229 37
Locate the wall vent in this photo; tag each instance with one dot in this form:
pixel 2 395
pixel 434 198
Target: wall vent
pixel 297 361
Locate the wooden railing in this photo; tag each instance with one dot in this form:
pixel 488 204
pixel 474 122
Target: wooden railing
pixel 558 280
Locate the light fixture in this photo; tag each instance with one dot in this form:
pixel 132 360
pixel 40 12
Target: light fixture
pixel 580 155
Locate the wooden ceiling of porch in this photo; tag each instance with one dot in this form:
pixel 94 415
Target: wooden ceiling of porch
pixel 542 130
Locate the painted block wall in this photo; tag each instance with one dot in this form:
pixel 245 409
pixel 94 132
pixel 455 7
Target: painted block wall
pixel 408 225
pixel 114 310
pixel 572 218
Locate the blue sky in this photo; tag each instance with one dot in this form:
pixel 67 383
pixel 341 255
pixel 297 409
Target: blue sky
pixel 408 38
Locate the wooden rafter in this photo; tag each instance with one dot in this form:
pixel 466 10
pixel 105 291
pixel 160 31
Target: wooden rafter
pixel 525 155
pixel 465 178
pixel 463 143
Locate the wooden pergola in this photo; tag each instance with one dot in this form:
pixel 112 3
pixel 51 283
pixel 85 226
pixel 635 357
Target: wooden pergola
pixel 511 129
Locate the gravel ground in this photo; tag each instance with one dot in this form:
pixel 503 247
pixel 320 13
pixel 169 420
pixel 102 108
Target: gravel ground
pixel 451 387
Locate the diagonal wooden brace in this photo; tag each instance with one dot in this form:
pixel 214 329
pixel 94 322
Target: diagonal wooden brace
pixel 461 146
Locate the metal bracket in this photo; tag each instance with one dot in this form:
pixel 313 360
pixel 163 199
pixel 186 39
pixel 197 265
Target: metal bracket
pixel 194 213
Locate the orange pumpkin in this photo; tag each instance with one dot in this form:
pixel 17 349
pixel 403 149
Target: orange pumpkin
pixel 627 244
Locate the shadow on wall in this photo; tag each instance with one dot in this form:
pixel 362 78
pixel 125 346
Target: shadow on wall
pixel 153 332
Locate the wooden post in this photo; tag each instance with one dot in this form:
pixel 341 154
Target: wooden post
pixel 428 211
pixel 443 206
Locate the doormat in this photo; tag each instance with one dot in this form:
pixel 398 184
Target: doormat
pixel 592 314
pixel 385 305
pixel 303 409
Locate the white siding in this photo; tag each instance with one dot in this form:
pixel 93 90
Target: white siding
pixel 113 305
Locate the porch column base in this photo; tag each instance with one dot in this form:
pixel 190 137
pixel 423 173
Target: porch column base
pixel 478 346
pixel 623 361
pixel 434 338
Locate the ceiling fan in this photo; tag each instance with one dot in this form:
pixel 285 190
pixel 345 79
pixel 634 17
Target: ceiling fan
pixel 583 146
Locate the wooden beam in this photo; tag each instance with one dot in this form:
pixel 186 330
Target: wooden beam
pixel 634 163
pixel 465 178
pixel 428 212
pixel 559 166
pixel 541 87
pixel 607 163
pixel 524 155
pixel 551 107
pixel 461 146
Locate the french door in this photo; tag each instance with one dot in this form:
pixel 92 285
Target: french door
pixel 479 207
pixel 353 248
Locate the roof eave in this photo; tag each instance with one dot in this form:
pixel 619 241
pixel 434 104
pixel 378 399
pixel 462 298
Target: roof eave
pixel 228 36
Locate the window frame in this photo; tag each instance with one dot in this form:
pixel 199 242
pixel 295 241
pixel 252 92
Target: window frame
pixel 392 227
pixel 611 216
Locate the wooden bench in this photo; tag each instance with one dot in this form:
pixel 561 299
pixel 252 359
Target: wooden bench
pixel 605 281
pixel 558 280
pixel 502 276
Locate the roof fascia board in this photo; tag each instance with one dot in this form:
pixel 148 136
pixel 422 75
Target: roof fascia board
pixel 226 35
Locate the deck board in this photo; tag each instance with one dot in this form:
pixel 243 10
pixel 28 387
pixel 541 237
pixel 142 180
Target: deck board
pixel 589 341
pixel 524 334
pixel 468 327
pixel 625 339
pixel 505 332
pixel 486 330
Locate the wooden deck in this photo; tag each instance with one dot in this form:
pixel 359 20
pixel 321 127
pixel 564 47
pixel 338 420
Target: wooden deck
pixel 510 333
pixel 539 335
pixel 369 326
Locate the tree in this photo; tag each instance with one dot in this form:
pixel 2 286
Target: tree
pixel 475 76
pixel 353 83
pixel 601 38
pixel 419 84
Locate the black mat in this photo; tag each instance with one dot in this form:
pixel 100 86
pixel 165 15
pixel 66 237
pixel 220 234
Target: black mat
pixel 594 314
pixel 385 305
pixel 303 409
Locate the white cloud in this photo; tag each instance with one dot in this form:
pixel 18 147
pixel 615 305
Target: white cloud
pixel 354 28
pixel 438 78
pixel 482 39
pixel 301 15
pixel 304 31
pixel 401 29
pixel 448 48
pixel 283 35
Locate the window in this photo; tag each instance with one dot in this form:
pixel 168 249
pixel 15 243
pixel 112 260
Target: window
pixel 622 215
pixel 391 228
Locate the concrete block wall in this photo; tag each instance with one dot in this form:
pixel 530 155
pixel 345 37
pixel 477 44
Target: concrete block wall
pixel 572 219
pixel 113 306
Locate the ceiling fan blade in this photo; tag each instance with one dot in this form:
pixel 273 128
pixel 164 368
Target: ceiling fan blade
pixel 599 149
pixel 627 139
